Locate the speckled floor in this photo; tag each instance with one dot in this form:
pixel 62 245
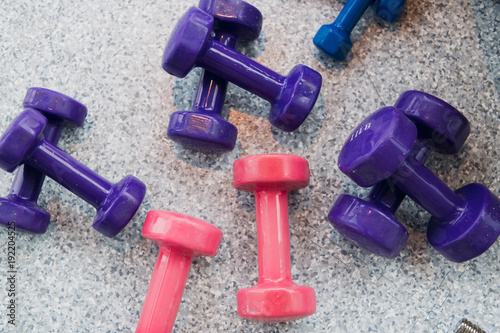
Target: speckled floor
pixel 107 55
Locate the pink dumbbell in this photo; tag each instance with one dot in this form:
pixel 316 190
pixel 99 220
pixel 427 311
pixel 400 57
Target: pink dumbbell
pixel 180 238
pixel 276 297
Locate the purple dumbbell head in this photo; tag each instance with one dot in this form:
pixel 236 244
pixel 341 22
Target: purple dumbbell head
pixel 299 94
pixel 186 42
pixel 437 121
pixel 203 132
pixel 377 147
pixel 115 203
pixel 470 234
pixel 120 207
pixel 335 39
pixel 292 97
pixel 20 206
pixel 58 108
pixel 20 138
pixel 236 16
pixel 368 225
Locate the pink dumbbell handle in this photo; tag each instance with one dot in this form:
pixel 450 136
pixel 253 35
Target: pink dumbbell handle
pixel 273 235
pixel 165 292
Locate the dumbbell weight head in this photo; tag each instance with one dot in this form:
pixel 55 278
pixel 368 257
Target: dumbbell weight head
pixel 56 107
pixel 377 147
pixel 437 121
pixel 441 127
pixel 203 128
pixel 299 94
pixel 469 235
pixel 333 41
pixel 236 16
pixel 120 206
pixel 274 171
pixel 368 225
pixel 388 10
pixel 202 131
pixel 186 42
pixel 20 138
pixel 20 205
pixel 186 234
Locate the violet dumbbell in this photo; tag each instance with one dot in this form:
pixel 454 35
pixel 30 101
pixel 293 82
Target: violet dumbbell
pixel 23 142
pixel 203 128
pixel 464 223
pixel 292 97
pixel 20 205
pixel 335 39
pixel 371 223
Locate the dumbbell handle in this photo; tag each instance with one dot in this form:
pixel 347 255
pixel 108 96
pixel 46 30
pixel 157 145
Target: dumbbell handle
pixel 164 292
pixel 273 235
pixel 241 70
pixel 350 15
pixel 385 194
pixel 426 189
pixel 211 90
pixel 70 173
pixel 28 181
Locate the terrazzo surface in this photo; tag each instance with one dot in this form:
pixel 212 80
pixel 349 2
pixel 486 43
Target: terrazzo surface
pixel 107 55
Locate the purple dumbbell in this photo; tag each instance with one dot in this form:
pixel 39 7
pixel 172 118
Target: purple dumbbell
pixel 370 223
pixel 335 39
pixel 20 205
pixel 464 223
pixel 292 97
pixel 116 204
pixel 203 128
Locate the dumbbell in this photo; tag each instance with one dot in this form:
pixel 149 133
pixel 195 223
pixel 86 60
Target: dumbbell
pixel 203 128
pixel 180 238
pixel 23 142
pixel 464 223
pixel 20 205
pixel 335 39
pixel 276 297
pixel 371 223
pixel 292 97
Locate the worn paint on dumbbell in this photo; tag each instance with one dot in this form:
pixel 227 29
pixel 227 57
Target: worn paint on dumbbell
pixel 361 130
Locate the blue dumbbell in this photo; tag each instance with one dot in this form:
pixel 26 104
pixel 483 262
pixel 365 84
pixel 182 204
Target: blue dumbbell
pixel 335 39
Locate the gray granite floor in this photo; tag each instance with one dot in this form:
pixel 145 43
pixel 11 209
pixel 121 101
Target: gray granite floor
pixel 107 55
